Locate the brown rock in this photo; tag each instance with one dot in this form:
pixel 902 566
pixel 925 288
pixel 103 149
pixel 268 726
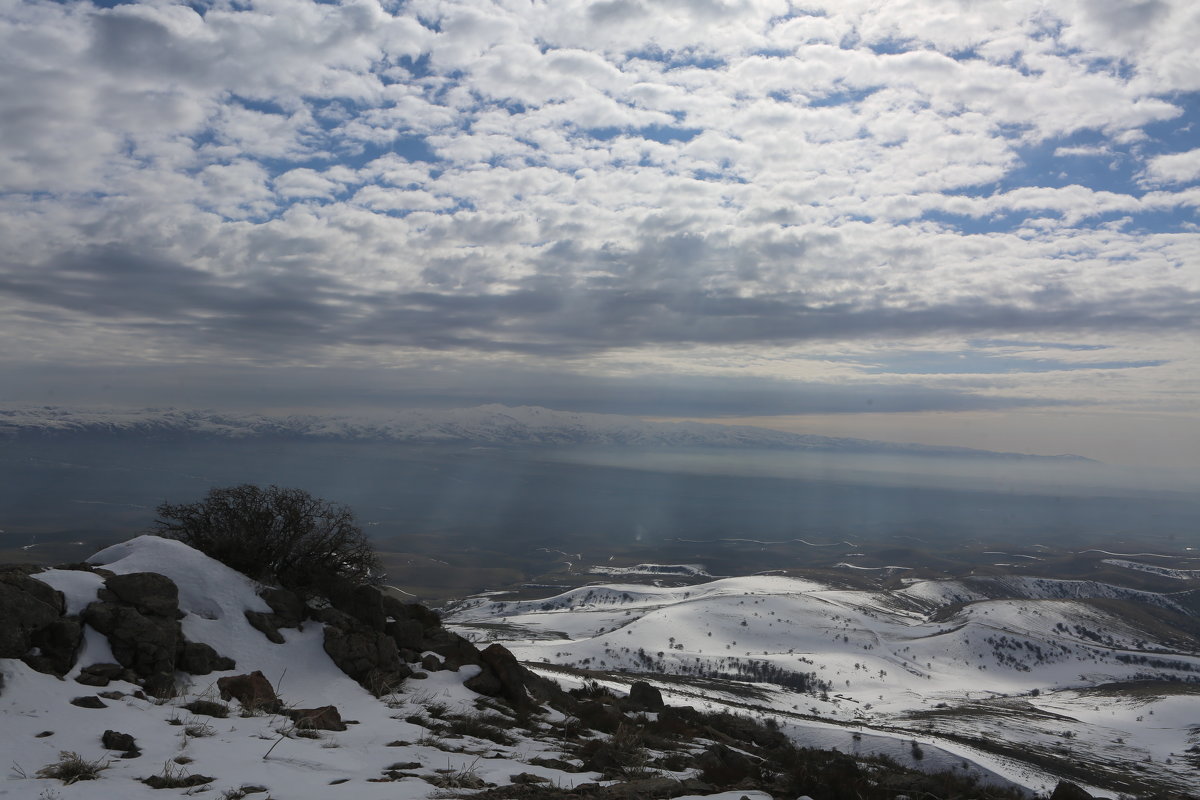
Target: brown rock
pixel 325 718
pixel 112 740
pixel 253 691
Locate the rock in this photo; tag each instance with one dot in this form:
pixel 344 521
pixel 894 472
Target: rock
pixel 112 740
pixel 454 649
pixel 287 607
pixel 505 669
pixel 408 634
pixel 99 674
pixel 645 697
pixel 29 606
pixel 603 759
pixel 57 645
pixel 88 679
pixel 148 592
pixel 397 610
pixel 527 778
pixel 1065 790
pixel 431 663
pixel 368 656
pixel 145 643
pixel 325 718
pixel 287 611
pixel 722 766
pixel 265 623
pixel 88 701
pixel 364 603
pixel 486 683
pixel 253 691
pixel 198 658
pixel 697 786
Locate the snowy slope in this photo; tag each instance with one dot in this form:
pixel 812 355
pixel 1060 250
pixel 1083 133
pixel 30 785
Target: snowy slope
pixel 37 721
pixel 876 661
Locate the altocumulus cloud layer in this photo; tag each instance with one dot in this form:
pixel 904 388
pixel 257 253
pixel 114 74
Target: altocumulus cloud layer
pixel 948 204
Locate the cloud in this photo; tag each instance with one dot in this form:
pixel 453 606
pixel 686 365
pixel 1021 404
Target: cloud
pixel 1174 168
pixel 332 181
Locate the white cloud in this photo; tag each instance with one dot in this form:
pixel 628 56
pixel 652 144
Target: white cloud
pixel 1174 167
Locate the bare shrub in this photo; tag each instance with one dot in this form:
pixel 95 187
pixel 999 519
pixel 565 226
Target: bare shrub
pixel 274 534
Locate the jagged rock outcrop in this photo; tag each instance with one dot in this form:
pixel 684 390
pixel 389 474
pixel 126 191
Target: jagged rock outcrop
pixel 367 655
pixel 139 614
pixel 370 635
pixel 501 676
pixel 143 643
pixel 34 626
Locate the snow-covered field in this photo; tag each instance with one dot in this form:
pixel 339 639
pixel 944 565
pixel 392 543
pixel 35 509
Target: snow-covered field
pixel 984 670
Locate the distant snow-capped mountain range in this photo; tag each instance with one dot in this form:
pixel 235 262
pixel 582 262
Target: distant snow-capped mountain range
pixel 485 425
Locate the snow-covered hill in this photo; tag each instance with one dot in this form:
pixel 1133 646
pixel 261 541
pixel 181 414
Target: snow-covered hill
pixel 92 726
pixel 1009 674
pixel 485 425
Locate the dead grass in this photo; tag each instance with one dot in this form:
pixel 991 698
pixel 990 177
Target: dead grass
pixel 72 768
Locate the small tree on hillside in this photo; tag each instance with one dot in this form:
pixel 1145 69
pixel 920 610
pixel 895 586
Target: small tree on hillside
pixel 274 534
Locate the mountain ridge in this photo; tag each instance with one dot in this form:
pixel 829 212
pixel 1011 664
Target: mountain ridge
pixel 491 424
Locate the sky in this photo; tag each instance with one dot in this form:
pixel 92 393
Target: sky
pixel 949 221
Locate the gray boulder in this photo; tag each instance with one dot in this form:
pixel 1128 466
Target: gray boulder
pixel 143 643
pixel 148 592
pixel 57 644
pixel 644 697
pixel 502 676
pixel 368 656
pixel 198 658
pixel 29 606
